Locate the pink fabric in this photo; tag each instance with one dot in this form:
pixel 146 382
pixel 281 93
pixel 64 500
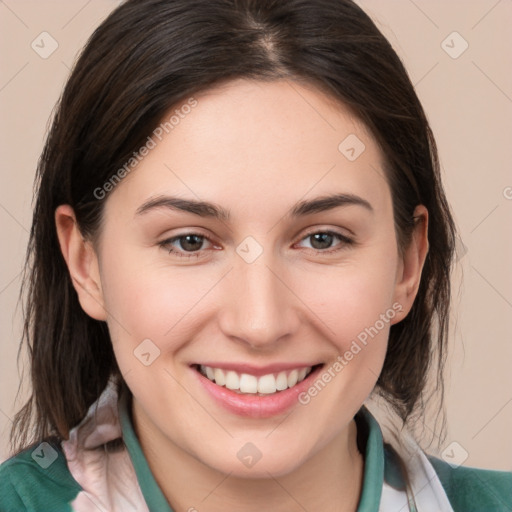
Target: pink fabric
pixel 106 474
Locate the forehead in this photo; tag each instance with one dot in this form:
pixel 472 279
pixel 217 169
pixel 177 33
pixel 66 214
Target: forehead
pixel 254 144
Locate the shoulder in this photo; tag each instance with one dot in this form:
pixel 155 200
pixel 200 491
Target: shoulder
pixel 474 489
pixel 37 479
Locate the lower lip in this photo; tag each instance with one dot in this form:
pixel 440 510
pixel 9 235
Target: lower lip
pixel 254 406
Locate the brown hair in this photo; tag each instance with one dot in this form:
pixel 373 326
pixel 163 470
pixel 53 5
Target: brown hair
pixel 147 56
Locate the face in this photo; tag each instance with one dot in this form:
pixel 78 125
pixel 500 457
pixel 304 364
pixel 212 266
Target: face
pixel 267 288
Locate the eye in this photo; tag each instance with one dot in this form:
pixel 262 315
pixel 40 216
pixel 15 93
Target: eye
pixel 190 245
pixel 321 240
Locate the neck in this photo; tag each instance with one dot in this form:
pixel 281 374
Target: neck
pixel 330 480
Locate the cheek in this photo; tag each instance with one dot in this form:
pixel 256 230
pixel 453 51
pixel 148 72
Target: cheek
pixel 142 303
pixel 351 299
pixel 148 296
pixel 147 299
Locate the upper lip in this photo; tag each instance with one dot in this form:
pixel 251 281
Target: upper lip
pixel 258 371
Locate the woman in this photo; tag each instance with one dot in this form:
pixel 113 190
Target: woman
pixel 240 235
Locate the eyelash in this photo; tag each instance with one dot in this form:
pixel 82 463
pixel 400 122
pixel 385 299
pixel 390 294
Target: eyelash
pixel 166 244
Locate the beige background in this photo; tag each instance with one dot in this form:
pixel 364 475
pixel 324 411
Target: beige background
pixel 468 100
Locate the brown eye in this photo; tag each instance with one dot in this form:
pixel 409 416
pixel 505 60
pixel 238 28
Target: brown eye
pixel 187 245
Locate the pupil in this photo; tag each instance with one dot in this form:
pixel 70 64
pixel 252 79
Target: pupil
pixel 187 237
pixel 322 237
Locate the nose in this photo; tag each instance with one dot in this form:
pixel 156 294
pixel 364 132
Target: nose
pixel 260 306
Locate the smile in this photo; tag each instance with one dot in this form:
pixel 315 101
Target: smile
pixel 245 383
pixel 255 392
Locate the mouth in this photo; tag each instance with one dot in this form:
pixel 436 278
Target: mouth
pixel 272 383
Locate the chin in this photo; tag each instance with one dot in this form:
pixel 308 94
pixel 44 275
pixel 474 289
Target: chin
pixel 248 462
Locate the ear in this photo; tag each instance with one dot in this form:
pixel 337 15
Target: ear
pixel 410 265
pixel 82 263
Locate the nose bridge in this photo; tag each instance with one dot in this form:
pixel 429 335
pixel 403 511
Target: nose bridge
pixel 260 309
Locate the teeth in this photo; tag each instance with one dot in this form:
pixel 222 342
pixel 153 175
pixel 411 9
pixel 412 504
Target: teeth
pixel 245 383
pixel 267 384
pixel 210 373
pixel 248 383
pixel 281 381
pixel 219 377
pixel 232 380
pixel 292 378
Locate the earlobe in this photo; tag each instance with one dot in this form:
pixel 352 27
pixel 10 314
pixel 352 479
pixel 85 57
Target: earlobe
pixel 410 266
pixel 82 263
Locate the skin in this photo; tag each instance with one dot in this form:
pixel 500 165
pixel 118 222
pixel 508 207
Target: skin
pixel 256 149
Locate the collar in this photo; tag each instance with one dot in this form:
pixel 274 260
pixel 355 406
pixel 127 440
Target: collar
pixel 152 493
pixel 369 438
pixel 105 458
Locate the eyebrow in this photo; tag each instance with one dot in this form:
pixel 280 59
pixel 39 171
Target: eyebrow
pixel 214 211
